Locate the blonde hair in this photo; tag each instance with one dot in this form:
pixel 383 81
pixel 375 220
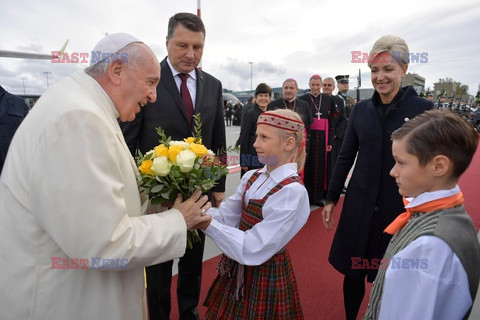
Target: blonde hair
pixel 298 153
pixel 394 45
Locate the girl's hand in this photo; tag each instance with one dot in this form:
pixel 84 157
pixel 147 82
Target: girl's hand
pixel 204 225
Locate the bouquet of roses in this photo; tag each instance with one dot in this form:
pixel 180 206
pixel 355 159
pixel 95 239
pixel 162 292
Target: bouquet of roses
pixel 175 167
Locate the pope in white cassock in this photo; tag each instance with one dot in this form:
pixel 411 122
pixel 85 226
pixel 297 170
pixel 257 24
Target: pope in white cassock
pixel 73 235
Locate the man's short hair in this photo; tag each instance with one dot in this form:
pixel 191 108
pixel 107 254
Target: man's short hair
pixel 439 132
pixel 290 80
pixel 330 79
pixel 189 20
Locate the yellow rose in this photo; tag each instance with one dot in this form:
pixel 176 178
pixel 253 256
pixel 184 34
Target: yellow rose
pixel 189 140
pixel 161 150
pixel 146 167
pixel 173 151
pixel 199 149
pixel 186 160
pixel 161 166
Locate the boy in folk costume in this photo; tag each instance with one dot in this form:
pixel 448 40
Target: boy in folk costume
pixel 252 228
pixel 434 256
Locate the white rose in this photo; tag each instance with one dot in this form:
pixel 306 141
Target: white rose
pixel 185 160
pixel 183 144
pixel 161 166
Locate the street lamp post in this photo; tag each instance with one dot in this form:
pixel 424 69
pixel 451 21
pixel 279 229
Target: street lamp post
pixel 23 78
pixel 46 75
pixel 251 75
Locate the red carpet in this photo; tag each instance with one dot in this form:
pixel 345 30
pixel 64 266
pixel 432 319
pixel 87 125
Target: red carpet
pixel 319 284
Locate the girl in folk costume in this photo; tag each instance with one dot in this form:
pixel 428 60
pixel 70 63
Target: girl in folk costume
pixel 255 277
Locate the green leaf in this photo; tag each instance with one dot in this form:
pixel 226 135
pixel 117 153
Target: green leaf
pixel 157 188
pixel 166 195
pixel 163 137
pixel 197 129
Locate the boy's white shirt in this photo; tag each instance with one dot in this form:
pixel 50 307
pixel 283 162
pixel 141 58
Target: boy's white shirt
pixel 284 214
pixel 439 291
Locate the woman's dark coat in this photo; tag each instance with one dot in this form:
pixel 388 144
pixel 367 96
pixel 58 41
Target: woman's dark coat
pixel 372 200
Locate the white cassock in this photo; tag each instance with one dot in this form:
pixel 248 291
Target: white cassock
pixel 68 190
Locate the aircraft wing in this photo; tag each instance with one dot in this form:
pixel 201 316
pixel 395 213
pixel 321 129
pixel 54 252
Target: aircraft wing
pixel 26 55
pixel 29 55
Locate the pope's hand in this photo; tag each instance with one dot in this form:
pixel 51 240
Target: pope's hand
pixel 192 208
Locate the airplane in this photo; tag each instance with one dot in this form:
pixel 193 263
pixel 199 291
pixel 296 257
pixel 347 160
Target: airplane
pixel 30 55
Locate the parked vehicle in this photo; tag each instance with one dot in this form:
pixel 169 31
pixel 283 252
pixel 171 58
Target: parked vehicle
pixel 230 97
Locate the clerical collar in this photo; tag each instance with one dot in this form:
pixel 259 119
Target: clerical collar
pixel 290 101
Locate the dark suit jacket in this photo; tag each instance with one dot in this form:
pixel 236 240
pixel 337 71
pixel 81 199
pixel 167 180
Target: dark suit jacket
pixel 169 113
pixel 372 200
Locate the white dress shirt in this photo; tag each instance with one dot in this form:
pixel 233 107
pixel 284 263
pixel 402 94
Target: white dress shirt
pixel 284 214
pixel 191 81
pixel 437 290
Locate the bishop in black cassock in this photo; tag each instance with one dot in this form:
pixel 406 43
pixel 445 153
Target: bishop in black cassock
pixel 319 140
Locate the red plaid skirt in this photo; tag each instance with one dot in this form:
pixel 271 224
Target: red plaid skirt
pixel 269 292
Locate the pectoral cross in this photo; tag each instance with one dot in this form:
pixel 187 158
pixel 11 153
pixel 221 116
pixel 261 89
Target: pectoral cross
pixel 318 115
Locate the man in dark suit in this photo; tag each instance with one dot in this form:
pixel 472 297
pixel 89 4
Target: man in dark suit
pixel 173 112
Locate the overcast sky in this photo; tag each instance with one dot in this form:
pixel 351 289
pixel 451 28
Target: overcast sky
pixel 283 39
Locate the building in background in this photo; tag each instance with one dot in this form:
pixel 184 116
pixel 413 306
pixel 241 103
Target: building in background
pixel 453 88
pixel 414 80
pixel 365 93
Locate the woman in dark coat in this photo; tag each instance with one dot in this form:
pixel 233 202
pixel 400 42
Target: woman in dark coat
pixel 248 129
pixel 372 200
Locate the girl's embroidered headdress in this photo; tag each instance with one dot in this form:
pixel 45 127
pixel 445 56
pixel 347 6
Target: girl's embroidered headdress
pixel 275 120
